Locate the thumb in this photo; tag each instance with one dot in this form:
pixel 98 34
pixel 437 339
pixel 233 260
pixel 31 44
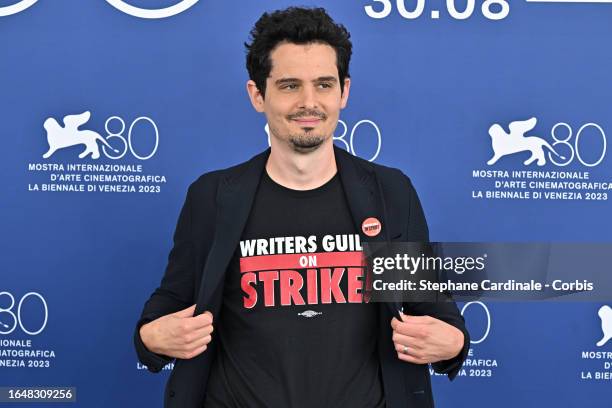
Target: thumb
pixel 186 312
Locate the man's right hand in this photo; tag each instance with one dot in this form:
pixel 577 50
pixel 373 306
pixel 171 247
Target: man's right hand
pixel 178 335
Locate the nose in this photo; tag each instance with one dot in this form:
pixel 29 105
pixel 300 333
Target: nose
pixel 308 98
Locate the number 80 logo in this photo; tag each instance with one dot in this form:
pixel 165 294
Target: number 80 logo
pixel 16 319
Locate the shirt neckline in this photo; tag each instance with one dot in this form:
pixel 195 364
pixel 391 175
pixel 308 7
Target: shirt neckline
pixel 328 185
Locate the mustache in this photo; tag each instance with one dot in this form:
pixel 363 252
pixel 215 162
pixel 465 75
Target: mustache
pixel 307 113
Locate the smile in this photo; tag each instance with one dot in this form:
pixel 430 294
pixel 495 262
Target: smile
pixel 307 121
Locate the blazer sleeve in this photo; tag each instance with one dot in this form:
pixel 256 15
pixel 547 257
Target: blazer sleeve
pixel 177 286
pixel 445 309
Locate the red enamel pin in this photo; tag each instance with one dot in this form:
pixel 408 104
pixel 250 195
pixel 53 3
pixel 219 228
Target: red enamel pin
pixel 371 226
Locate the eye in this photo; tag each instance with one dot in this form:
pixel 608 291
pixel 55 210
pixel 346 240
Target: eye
pixel 290 86
pixel 325 85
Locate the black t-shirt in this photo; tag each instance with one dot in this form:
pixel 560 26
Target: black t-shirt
pixel 294 330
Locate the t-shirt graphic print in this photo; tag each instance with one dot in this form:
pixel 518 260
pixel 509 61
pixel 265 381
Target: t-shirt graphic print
pixel 298 270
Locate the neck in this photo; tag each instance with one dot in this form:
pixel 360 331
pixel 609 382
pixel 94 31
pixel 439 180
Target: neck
pixel 301 171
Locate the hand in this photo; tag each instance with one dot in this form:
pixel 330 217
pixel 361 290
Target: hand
pixel 179 335
pixel 427 339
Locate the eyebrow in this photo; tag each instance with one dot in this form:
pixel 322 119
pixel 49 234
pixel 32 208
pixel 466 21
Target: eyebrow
pixel 293 80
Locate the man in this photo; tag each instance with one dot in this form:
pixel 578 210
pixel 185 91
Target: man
pixel 260 301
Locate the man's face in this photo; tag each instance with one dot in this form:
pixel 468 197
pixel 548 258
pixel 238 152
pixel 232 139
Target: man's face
pixel 303 96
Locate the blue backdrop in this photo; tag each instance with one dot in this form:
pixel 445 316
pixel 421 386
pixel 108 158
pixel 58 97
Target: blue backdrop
pixel 85 240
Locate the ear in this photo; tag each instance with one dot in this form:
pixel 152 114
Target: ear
pixel 257 99
pixel 345 93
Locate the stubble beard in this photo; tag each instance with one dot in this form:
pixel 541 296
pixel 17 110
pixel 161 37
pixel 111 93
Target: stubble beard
pixel 301 142
pixel 307 141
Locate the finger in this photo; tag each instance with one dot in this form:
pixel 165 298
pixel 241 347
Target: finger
pixel 188 312
pixel 196 343
pixel 416 319
pixel 199 321
pixel 413 330
pixel 410 342
pixel 411 359
pixel 204 318
pixel 203 332
pixel 395 322
pixel 194 353
pixel 209 315
pixel 408 351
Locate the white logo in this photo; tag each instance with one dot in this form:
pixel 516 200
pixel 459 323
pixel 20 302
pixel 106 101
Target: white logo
pixel 70 135
pixel 514 142
pixel 485 308
pixel 491 9
pixel 309 313
pixel 16 8
pixel 605 314
pixel 16 319
pixel 60 137
pixel 152 13
pixel 120 5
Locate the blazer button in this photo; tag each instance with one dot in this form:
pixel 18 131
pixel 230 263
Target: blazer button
pixel 172 393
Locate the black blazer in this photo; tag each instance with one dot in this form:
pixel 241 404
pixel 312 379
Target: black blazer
pixel 208 231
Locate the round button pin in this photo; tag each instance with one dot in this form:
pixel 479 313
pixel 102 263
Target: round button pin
pixel 371 227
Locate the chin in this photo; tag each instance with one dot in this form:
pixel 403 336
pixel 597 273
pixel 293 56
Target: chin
pixel 305 146
pixel 305 149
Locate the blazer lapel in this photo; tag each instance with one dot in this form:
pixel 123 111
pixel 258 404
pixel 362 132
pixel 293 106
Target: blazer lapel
pixel 361 190
pixel 234 200
pixel 365 199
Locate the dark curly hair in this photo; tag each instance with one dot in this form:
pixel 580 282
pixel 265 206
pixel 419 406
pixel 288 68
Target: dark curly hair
pixel 297 25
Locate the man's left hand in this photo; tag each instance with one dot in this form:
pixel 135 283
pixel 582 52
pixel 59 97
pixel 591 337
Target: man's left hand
pixel 424 339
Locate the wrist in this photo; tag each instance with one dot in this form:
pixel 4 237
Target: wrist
pixel 459 343
pixel 146 335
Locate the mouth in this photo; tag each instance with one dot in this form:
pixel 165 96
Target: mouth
pixel 307 121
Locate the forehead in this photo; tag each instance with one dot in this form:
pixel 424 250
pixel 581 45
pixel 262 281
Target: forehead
pixel 303 61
